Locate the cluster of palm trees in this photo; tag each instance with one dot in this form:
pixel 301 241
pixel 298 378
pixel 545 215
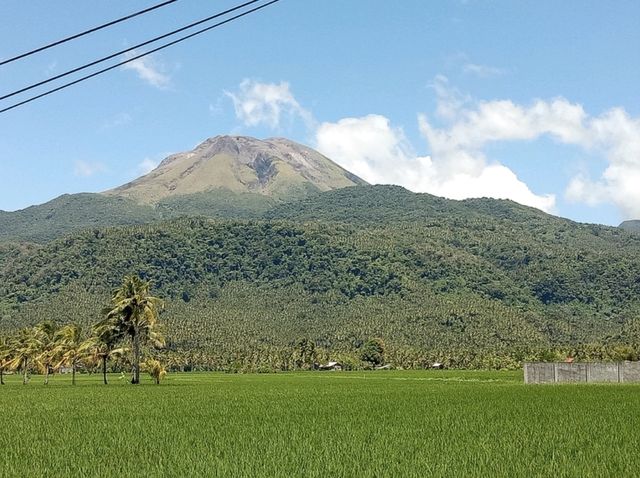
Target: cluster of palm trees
pixel 130 323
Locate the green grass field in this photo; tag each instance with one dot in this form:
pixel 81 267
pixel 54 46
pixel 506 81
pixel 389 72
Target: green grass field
pixel 339 424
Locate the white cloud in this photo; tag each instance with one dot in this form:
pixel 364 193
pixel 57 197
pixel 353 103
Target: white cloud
pixel 259 103
pixel 148 69
pixel 451 100
pixel 456 168
pixel 474 124
pixel 617 136
pixel 86 169
pixel 371 148
pixel 483 71
pixel 368 147
pixel 614 135
pixel 582 189
pixel 146 166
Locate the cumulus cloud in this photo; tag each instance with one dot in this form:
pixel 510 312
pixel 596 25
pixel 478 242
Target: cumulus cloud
pixel 369 147
pixel 471 126
pixel 148 69
pixel 267 104
pixel 617 136
pixel 87 169
pixel 614 136
pixel 379 153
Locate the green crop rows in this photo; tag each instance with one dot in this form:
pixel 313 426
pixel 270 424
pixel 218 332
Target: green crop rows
pixel 398 423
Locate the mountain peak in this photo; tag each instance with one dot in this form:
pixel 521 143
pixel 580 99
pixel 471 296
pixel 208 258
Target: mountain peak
pixel 632 225
pixel 274 167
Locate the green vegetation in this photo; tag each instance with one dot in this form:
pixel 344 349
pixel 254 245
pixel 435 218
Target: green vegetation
pixel 156 370
pixel 373 352
pixel 216 204
pixel 70 213
pixel 76 212
pixel 317 424
pixel 70 348
pixel 45 348
pixel 134 315
pixel 478 283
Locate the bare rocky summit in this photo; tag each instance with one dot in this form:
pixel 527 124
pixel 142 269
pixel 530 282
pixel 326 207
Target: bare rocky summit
pixel 274 167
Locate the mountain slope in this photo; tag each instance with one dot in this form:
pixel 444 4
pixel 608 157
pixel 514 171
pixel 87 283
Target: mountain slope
pixel 274 167
pixel 428 275
pixel 632 226
pixel 224 177
pixel 232 285
pixel 560 262
pixel 294 253
pixel 69 213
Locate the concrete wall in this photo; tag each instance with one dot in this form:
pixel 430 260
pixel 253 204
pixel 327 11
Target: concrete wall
pixel 571 372
pixel 539 373
pixel 545 372
pixel 604 372
pixel 630 372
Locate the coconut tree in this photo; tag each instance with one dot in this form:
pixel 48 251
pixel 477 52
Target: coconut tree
pixel 5 355
pixel 134 312
pixel 71 349
pixel 25 347
pixel 45 359
pixel 104 344
pixel 155 369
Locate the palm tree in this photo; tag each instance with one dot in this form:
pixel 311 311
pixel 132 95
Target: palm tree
pixel 71 349
pixel 45 359
pixel 104 344
pixel 134 313
pixel 25 347
pixel 155 369
pixel 5 355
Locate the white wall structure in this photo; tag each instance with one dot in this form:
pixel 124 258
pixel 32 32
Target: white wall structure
pixel 561 372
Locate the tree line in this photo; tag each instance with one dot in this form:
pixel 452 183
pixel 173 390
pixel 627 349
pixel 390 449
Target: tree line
pixel 129 325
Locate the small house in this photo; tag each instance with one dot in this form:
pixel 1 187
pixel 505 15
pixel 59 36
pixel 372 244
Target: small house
pixel 330 366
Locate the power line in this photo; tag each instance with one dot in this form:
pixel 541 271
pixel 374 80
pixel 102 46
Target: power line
pixel 127 50
pixel 87 32
pixel 162 47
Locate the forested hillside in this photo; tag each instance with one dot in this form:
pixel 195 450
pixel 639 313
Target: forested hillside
pixel 69 213
pixel 76 212
pixel 478 282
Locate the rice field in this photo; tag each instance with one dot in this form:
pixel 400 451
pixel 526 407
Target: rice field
pixel 339 424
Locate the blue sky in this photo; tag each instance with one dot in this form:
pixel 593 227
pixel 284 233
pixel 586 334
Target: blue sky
pixel 533 101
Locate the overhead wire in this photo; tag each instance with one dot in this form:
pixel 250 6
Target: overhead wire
pixel 126 50
pixel 86 32
pixel 137 57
